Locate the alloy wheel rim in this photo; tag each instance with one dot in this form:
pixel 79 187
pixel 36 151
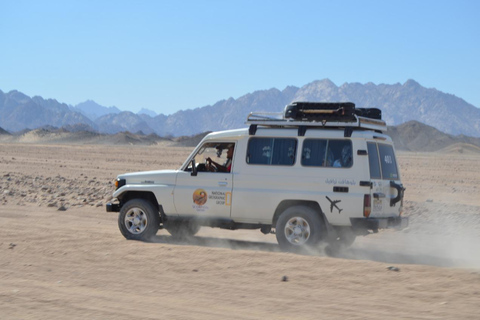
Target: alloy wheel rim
pixel 297 231
pixel 136 221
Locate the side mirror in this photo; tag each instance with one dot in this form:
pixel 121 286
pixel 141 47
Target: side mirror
pixel 194 168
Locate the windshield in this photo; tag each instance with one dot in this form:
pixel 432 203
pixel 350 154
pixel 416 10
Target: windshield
pixel 215 151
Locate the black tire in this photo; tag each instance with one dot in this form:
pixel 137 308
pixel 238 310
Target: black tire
pixel 182 229
pixel 138 220
pixel 343 239
pixel 298 228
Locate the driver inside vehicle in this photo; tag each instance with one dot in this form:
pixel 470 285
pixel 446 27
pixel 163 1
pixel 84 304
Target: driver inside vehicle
pixel 216 167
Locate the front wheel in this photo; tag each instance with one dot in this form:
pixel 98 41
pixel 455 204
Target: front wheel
pixel 138 220
pixel 299 227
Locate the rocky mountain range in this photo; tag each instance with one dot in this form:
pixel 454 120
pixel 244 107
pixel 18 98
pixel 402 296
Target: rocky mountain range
pixel 18 111
pixel 410 136
pixel 399 103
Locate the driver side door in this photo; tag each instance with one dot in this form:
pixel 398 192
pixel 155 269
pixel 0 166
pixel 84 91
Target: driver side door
pixel 207 194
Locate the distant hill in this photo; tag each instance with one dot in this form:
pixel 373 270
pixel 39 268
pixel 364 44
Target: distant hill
pixel 416 136
pixel 18 111
pixel 53 135
pixel 399 103
pixel 4 132
pixel 124 121
pixel 148 112
pixel 93 110
pixel 411 136
pixel 190 141
pixel 461 148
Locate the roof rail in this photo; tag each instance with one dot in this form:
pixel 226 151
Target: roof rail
pixel 277 120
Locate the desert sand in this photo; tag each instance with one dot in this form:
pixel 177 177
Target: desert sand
pixel 63 257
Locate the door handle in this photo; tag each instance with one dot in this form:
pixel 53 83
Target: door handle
pixel 378 195
pixel 222 183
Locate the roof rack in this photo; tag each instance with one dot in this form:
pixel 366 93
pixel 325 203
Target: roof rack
pixel 277 120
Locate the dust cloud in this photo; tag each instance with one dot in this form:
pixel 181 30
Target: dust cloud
pixel 439 234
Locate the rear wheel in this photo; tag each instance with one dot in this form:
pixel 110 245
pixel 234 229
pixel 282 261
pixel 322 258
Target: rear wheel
pixel 299 227
pixel 343 239
pixel 138 220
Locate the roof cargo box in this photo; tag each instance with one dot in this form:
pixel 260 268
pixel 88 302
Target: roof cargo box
pixel 318 111
pixel 372 113
pixel 303 115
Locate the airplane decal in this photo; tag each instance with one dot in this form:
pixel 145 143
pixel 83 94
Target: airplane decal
pixel 333 203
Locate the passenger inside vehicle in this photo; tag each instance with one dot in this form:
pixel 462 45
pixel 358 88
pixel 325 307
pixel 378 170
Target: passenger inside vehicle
pixel 345 159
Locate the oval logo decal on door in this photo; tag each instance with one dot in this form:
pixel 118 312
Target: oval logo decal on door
pixel 200 197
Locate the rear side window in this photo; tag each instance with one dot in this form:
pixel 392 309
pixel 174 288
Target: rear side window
pixel 341 150
pixel 327 153
pixel 272 151
pixel 387 159
pixel 382 161
pixel 313 152
pixel 373 161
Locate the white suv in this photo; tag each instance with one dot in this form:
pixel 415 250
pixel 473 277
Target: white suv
pixel 319 172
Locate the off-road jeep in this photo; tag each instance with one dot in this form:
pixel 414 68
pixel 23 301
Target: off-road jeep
pixel 318 172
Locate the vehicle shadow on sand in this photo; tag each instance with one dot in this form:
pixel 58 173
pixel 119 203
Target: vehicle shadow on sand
pixel 217 243
pixel 353 253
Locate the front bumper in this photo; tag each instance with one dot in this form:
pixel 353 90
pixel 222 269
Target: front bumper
pixel 112 207
pixel 373 224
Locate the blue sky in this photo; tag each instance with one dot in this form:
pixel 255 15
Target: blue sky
pixel 173 55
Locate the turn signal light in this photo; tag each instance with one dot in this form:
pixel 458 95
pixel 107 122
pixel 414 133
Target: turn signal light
pixel 119 183
pixel 367 205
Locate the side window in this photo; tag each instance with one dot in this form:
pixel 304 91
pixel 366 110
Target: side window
pixel 214 157
pixel 373 161
pixel 271 151
pixel 327 153
pixel 284 151
pixel 313 152
pixel 339 153
pixel 387 159
pixel 260 151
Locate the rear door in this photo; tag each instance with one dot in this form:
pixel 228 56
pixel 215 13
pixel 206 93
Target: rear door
pixel 385 179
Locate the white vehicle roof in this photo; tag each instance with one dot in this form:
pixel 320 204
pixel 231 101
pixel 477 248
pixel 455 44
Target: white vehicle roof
pixel 314 132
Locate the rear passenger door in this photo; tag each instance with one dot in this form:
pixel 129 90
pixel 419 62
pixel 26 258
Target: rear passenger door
pixel 264 179
pixel 383 170
pixel 271 151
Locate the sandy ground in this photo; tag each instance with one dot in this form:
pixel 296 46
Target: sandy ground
pixel 73 263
